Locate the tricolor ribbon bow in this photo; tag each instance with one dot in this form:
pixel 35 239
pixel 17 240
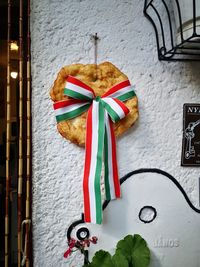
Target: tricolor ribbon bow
pixel 100 139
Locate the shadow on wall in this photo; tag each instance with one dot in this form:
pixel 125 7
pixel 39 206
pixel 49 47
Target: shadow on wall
pixel 195 72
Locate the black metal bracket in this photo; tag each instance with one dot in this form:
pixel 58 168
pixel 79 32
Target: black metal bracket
pixel 167 47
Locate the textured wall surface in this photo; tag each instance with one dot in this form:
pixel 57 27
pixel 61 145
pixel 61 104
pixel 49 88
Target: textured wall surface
pixel 60 32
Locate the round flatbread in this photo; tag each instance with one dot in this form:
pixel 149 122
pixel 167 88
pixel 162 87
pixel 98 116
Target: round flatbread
pixel 100 78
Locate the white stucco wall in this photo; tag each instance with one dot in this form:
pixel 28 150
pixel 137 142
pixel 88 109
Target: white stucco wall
pixel 60 32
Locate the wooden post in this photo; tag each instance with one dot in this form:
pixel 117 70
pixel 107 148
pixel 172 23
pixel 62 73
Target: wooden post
pixel 20 159
pixel 28 148
pixel 7 141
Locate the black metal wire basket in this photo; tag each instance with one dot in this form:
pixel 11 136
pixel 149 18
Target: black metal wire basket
pixel 176 38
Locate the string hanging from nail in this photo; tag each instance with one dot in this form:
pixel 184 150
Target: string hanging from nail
pixel 95 39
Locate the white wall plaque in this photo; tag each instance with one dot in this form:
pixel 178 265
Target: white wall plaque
pixel 173 235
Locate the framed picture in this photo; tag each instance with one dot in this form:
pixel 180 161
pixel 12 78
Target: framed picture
pixel 191 135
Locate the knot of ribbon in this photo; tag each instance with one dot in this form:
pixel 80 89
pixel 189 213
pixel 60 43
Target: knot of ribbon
pixel 100 139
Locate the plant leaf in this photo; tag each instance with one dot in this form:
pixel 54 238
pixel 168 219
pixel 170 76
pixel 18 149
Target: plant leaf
pixel 132 251
pixel 102 259
pixel 125 247
pixel 141 253
pixel 135 250
pixel 119 260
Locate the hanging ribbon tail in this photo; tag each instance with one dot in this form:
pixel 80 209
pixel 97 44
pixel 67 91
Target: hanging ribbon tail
pixel 112 184
pixel 93 163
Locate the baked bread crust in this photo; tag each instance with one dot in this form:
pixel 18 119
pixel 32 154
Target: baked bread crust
pixel 100 78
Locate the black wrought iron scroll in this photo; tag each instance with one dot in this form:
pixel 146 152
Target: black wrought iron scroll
pixel 172 44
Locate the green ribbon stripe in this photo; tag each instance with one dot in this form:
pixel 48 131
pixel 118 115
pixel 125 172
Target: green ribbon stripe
pixel 76 95
pixel 101 130
pixel 72 114
pixel 126 96
pixel 114 116
pixel 106 168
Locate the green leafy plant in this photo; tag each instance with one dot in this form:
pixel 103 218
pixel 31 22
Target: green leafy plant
pixel 132 251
